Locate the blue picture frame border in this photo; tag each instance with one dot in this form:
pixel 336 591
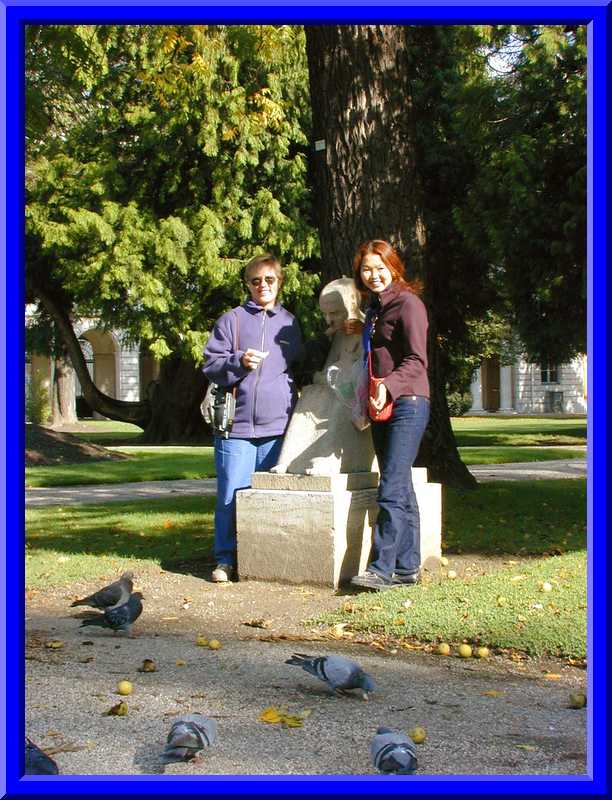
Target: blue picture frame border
pixel 13 17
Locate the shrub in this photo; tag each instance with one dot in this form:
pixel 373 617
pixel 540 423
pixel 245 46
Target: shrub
pixel 458 403
pixel 38 408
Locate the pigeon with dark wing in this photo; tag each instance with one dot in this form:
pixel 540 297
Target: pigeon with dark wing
pixel 37 762
pixel 118 618
pixel 393 752
pixel 115 594
pixel 188 735
pixel 339 673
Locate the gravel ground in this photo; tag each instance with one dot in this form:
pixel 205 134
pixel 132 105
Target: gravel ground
pixel 482 717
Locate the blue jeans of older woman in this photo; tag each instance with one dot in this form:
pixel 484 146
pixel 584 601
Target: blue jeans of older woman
pixel 397 537
pixel 236 460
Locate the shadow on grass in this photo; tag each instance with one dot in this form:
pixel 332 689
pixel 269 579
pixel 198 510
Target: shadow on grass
pixel 543 517
pixel 176 532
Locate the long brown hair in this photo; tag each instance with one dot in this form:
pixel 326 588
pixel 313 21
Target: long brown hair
pixel 390 259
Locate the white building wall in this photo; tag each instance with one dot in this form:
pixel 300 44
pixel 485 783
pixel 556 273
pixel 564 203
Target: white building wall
pixel 530 392
pixel 129 373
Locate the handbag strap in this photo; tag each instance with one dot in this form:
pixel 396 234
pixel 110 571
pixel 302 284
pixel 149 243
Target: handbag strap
pixel 236 341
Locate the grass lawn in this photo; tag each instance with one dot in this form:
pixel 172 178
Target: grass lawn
pixel 506 610
pixel 144 464
pixel 522 517
pixel 545 521
pixel 510 455
pixel 86 541
pixel 527 431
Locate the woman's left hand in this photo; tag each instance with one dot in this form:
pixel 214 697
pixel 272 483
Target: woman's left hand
pixel 381 397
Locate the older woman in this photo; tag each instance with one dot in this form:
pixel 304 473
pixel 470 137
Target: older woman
pixel 252 347
pixel 396 334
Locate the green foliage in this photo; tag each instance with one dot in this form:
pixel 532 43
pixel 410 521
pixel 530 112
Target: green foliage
pixel 191 158
pixel 38 407
pixel 526 209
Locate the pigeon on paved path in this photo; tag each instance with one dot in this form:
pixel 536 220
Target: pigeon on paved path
pixel 339 673
pixel 115 594
pixel 37 762
pixel 118 618
pixel 188 735
pixel 393 751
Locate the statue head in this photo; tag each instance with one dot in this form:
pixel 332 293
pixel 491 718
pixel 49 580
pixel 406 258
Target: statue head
pixel 340 300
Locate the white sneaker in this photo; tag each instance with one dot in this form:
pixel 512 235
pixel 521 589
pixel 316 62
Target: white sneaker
pixel 222 573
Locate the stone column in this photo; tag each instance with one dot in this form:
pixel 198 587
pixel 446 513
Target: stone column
pixel 476 390
pixel 505 389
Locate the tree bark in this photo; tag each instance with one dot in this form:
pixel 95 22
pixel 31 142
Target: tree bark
pixel 366 181
pixel 63 402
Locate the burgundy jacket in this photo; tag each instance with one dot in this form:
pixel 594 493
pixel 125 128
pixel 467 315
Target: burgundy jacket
pixel 399 342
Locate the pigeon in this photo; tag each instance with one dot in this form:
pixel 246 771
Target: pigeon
pixel 339 673
pixel 115 594
pixel 393 751
pixel 118 618
pixel 37 762
pixel 188 735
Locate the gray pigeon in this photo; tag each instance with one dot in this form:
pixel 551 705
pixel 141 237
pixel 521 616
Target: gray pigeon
pixel 118 618
pixel 393 751
pixel 188 735
pixel 37 762
pixel 339 673
pixel 115 594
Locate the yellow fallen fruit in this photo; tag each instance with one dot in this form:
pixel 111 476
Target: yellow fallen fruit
pixel 444 561
pixel 465 651
pixel 124 687
pixel 418 734
pixel 577 700
pixel 546 586
pixel 214 644
pixel 443 649
pixel 482 652
pixel 501 601
pixel 119 710
pixel 202 641
pixel 451 574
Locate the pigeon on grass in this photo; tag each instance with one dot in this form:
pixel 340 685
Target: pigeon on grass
pixel 115 594
pixel 393 752
pixel 339 673
pixel 37 762
pixel 188 735
pixel 118 618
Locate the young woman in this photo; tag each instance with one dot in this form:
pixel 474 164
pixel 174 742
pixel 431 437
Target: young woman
pixel 251 347
pixel 396 333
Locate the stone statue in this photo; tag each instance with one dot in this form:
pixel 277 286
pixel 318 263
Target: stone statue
pixel 320 438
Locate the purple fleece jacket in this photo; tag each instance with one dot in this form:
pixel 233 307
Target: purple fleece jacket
pixel 265 396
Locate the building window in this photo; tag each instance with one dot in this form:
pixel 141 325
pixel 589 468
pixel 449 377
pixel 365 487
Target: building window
pixel 549 373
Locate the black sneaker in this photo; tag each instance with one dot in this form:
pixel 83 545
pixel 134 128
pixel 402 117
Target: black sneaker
pixel 373 581
pixel 406 579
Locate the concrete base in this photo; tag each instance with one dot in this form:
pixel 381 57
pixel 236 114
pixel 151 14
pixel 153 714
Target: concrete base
pixel 317 529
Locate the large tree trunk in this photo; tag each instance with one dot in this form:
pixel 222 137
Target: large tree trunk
pixel 366 179
pixel 175 399
pixel 63 401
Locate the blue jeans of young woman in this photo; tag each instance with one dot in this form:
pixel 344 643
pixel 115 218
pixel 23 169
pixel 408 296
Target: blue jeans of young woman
pixel 236 460
pixel 396 544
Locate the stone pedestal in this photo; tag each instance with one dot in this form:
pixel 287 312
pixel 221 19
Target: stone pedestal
pixel 317 529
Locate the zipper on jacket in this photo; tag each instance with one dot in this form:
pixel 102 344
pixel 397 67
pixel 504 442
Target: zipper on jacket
pixel 259 369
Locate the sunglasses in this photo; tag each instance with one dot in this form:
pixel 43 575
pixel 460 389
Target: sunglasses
pixel 269 279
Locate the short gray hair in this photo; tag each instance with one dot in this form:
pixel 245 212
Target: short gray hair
pixel 267 259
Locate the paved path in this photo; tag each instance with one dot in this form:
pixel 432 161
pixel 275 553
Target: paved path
pixel 117 492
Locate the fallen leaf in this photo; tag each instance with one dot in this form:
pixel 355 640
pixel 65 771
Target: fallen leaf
pixel 493 693
pixel 54 644
pixel 551 676
pixel 169 619
pixel 180 662
pixel 119 710
pixel 527 746
pixel 258 623
pixel 271 715
pixel 518 578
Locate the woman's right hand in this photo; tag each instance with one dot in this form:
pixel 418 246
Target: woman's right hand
pixel 252 358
